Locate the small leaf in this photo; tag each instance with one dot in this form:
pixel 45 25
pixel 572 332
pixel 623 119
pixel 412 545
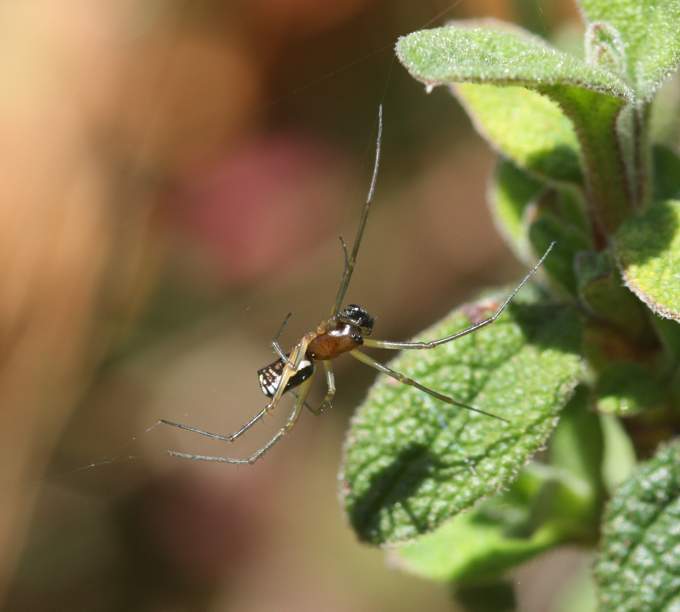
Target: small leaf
pixel 530 217
pixel 547 225
pixel 577 447
pixel 405 473
pixel 591 97
pixel 510 193
pixel 649 31
pixel 602 292
pixel 637 569
pixel 604 47
pixel 648 252
pixel 525 126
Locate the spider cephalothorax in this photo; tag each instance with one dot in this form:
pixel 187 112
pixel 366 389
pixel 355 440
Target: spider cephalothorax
pixel 358 316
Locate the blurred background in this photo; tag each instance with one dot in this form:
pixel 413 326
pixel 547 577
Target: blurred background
pixel 175 177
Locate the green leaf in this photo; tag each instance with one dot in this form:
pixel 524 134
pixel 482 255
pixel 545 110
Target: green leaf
pixel 649 33
pixel 404 472
pixel 601 291
pixel 637 569
pixel 472 545
pixel 510 193
pixel 590 96
pixel 530 217
pixel 525 126
pixel 648 252
pixel 547 224
pixel 482 544
pixel 577 447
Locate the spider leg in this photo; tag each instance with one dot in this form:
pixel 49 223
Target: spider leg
pixel 327 401
pixel 387 344
pixel 364 358
pixel 290 423
pixel 351 260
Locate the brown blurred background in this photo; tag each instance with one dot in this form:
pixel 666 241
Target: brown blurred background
pixel 175 175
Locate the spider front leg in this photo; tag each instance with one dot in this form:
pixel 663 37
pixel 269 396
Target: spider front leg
pixel 398 346
pixel 327 401
pixel 290 423
pixel 277 347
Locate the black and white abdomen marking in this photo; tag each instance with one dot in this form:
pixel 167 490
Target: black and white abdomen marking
pixel 270 375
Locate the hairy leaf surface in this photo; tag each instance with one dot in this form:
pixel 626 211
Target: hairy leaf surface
pixel 637 569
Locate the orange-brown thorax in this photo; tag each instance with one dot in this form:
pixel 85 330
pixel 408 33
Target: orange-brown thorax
pixel 333 338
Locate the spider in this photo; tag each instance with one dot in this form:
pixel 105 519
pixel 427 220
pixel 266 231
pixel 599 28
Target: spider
pixel 344 331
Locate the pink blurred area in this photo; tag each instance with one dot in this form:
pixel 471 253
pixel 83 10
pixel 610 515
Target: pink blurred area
pixel 175 176
pixel 256 211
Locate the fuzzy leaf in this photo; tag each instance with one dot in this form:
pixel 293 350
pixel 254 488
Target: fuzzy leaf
pixel 604 47
pixel 412 462
pixel 577 447
pixel 637 569
pixel 602 292
pixel 648 253
pixel 530 216
pixel 649 32
pixel 510 193
pixel 525 126
pixel 547 225
pixel 590 96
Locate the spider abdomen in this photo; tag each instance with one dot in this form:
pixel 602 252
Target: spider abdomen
pixel 270 376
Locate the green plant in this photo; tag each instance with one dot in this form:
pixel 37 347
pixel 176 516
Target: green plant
pixel 586 370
